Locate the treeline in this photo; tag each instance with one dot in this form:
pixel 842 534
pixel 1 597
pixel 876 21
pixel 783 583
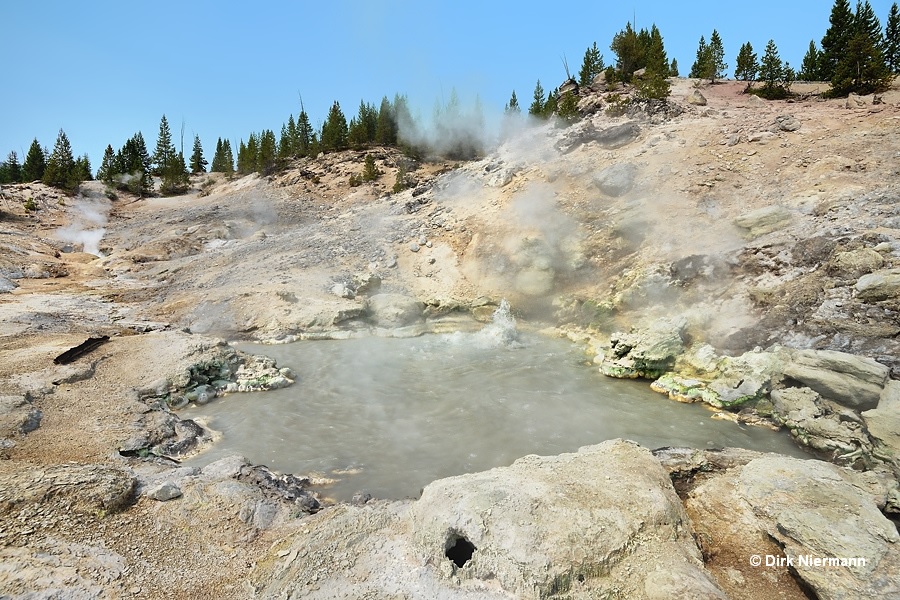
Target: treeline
pixel 58 168
pixel 855 56
pixel 265 154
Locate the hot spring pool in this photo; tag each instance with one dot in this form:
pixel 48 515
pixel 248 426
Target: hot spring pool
pixel 388 416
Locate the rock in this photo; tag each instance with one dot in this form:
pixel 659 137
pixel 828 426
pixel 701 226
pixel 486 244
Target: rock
pixel 413 247
pixel 723 382
pixel 764 220
pixel 855 101
pixel 855 263
pixel 787 123
pixel 696 98
pixel 880 285
pixel 830 430
pixel 7 285
pixel 883 424
pixel 799 511
pixel 850 380
pixel 616 180
pixel 165 492
pixel 610 138
pixel 602 522
pixel 394 310
pixel 755 101
pixel 83 489
pixel 617 135
pixel 644 353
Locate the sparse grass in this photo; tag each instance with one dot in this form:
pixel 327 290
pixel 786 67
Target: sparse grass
pixel 30 205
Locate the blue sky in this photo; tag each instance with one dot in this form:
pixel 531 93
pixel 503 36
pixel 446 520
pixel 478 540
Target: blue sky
pixel 104 70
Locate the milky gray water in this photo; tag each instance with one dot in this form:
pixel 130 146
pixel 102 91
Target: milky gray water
pixel 390 415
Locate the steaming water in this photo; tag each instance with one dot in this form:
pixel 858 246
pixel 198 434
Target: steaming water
pixel 390 415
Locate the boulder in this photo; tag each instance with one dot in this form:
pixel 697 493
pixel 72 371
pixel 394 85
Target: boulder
pixel 855 263
pixel 646 352
pixel 602 522
pixel 617 135
pixel 394 310
pixel 880 285
pixel 786 123
pixel 883 424
pixel 764 220
pixel 789 513
pixel 830 430
pixel 850 380
pixel 616 180
pixel 696 98
pixel 855 101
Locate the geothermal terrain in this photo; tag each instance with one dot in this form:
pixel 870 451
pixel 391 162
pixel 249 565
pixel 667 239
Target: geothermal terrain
pixel 736 252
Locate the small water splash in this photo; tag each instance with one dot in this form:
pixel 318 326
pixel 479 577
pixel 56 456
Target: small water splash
pixel 501 332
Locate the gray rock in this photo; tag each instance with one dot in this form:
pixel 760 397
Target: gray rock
pixel 618 135
pixel 413 247
pixel 880 285
pixel 850 380
pixel 616 180
pixel 787 123
pixel 165 492
pixel 799 510
pixel 394 310
pixel 6 285
pixel 830 430
pixel 602 522
pixel 883 424
pixel 696 98
pixel 764 220
pixel 820 510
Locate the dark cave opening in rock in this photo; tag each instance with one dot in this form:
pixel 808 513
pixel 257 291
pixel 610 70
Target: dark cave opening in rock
pixel 459 550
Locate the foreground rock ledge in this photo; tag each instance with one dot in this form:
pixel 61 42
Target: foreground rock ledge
pixel 605 521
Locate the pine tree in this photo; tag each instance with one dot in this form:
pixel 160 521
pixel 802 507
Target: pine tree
pixel 703 64
pixel 861 68
pixel 164 155
pixel 892 40
pixel 370 171
pixel 35 163
pixel 82 169
pixel 107 170
pixel 629 50
pixel 551 106
pixel 334 130
pixel 655 59
pixel 591 66
pixel 218 159
pixel 133 166
pixel 836 39
pixel 537 104
pixel 746 67
pixel 266 155
pixel 512 107
pixel 291 133
pixel 61 164
pixel 12 170
pixel 386 126
pixel 673 69
pixel 809 68
pixel 304 133
pixel 717 56
pixel 198 163
pixel 228 158
pixel 772 73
